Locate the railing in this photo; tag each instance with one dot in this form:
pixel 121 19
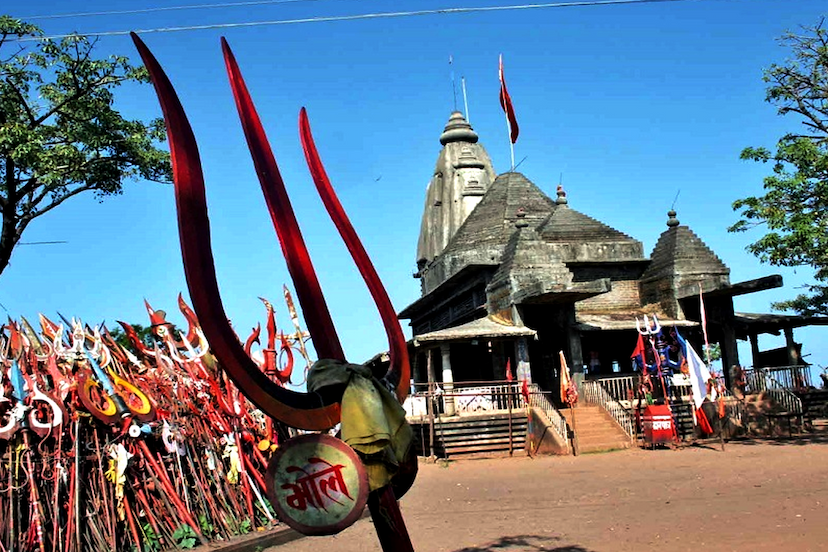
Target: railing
pixel 594 392
pixel 620 388
pixel 538 399
pixel 785 377
pixel 478 397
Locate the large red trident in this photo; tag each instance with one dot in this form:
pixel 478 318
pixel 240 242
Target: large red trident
pixel 311 411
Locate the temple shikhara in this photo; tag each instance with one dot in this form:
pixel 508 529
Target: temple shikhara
pixel 515 282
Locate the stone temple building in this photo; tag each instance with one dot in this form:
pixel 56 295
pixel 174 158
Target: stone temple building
pixel 510 277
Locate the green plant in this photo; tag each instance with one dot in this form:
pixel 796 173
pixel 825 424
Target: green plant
pixel 245 527
pixel 185 537
pixel 206 526
pixel 152 542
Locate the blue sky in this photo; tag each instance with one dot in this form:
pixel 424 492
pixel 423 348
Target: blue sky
pixel 631 103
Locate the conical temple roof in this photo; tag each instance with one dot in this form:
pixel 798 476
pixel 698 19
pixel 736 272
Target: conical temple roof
pixel 568 225
pixel 529 267
pixel 493 220
pixel 680 253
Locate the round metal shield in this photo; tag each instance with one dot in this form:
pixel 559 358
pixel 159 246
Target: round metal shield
pixel 317 484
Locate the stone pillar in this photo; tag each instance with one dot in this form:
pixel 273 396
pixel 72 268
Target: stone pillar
pixel 754 349
pixel 575 351
pixel 524 369
pixel 793 355
pixel 448 379
pixel 730 353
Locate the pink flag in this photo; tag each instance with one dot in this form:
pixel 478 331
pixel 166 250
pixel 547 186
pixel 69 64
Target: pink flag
pixel 506 104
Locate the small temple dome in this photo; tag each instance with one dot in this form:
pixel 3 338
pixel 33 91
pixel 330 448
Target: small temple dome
pixel 458 130
pixel 561 199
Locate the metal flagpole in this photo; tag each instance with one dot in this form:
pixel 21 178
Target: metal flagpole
pixel 465 99
pixel 511 145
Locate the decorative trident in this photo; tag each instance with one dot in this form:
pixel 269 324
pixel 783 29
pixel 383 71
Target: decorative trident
pixel 302 410
pixel 648 329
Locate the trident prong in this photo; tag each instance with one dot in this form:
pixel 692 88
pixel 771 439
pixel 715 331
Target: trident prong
pixel 301 410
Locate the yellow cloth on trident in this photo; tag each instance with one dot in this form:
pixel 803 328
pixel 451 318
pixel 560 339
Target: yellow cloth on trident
pixel 373 421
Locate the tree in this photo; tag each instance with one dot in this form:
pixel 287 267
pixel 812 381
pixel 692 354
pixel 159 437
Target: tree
pixel 145 334
pixel 60 135
pixel 795 205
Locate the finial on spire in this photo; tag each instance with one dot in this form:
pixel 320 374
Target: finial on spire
pixel 521 218
pixel 672 221
pixel 561 196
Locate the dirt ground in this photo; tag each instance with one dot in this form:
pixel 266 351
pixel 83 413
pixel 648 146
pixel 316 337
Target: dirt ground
pixel 754 496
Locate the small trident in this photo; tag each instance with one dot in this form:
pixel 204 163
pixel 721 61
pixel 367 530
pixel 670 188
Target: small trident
pixel 649 330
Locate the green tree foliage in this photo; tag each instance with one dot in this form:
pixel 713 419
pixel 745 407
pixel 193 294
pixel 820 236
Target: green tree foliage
pixel 795 205
pixel 145 334
pixel 60 134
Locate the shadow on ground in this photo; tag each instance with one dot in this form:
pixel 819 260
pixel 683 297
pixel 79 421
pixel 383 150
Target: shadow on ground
pixel 800 439
pixel 526 543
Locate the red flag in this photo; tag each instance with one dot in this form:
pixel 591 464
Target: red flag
pixel 506 104
pixel 509 376
pixel 703 422
pixel 638 352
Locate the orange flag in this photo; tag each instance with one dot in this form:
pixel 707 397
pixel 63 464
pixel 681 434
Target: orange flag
pixel 569 393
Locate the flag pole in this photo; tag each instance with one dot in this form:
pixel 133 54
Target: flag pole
pixel 453 85
pixel 511 145
pixel 465 99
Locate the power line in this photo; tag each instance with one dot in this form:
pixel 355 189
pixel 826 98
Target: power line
pixel 43 242
pixel 163 8
pixel 379 15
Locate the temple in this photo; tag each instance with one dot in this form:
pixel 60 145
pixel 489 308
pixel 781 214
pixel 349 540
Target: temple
pixel 511 277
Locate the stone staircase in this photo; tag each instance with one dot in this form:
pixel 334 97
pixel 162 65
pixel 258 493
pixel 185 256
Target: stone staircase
pixel 489 434
pixel 595 430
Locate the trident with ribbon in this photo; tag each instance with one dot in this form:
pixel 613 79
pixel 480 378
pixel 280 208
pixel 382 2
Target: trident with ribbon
pixel 309 411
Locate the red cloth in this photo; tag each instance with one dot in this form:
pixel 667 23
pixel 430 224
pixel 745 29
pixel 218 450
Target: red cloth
pixel 704 424
pixel 509 376
pixel 638 352
pixel 506 104
pixel 525 391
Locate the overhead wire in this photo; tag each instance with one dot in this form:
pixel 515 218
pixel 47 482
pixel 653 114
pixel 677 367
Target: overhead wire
pixel 162 9
pixel 364 16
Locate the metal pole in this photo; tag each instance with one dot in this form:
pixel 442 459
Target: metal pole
pixel 388 521
pixel 430 405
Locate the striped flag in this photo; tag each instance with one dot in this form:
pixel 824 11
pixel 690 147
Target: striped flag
pixel 506 104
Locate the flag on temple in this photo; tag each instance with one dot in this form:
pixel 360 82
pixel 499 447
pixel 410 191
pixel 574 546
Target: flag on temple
pixel 506 104
pixel 509 376
pixel 699 374
pixel 569 392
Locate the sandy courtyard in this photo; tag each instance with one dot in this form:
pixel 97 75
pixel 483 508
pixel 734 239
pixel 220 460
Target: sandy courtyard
pixel 756 495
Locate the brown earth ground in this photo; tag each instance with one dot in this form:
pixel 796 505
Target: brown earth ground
pixel 756 495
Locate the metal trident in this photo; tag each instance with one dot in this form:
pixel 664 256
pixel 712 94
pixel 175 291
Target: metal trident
pixel 649 330
pixel 303 410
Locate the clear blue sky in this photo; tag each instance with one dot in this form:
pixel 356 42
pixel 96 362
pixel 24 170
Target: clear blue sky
pixel 631 103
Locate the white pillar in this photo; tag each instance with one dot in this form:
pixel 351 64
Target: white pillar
pixel 448 379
